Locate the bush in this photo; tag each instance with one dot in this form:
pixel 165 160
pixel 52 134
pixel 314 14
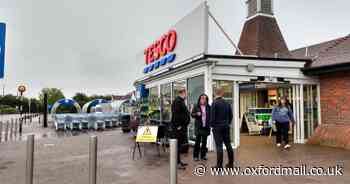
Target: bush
pixel 8 110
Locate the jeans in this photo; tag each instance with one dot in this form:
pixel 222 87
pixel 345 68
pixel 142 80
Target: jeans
pixel 282 132
pixel 200 146
pixel 222 136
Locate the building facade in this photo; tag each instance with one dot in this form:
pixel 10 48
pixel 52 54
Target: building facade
pixel 265 71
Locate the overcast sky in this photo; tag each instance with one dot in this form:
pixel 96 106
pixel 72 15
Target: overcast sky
pixel 90 46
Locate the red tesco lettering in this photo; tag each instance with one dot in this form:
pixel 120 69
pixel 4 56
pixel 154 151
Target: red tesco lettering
pixel 161 47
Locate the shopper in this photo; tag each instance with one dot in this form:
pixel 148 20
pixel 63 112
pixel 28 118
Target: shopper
pixel 180 120
pixel 221 118
pixel 282 115
pixel 201 114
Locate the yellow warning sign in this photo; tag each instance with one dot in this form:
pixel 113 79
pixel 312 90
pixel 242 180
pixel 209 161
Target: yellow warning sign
pixel 147 134
pixel 147 131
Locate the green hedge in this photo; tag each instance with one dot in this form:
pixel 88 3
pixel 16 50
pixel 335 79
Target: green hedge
pixel 8 110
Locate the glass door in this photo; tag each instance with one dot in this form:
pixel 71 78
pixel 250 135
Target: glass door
pixel 310 109
pixel 231 96
pixel 195 87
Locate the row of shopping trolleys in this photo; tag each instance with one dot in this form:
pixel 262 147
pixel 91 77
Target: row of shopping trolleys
pixel 86 121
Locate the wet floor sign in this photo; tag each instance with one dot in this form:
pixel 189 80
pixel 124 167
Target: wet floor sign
pixel 147 134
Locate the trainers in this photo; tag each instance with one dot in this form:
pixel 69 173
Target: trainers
pixel 229 165
pixel 205 158
pixel 278 144
pixel 196 159
pixel 287 146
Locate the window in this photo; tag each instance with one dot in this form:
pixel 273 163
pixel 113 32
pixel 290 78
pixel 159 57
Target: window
pixel 154 103
pixel 266 6
pixel 165 91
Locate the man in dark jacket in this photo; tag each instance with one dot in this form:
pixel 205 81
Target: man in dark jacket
pixel 180 119
pixel 221 118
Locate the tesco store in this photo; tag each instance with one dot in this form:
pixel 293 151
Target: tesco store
pixel 180 59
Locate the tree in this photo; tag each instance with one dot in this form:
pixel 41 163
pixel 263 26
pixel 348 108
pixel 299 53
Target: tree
pixel 105 97
pixel 81 98
pixel 53 94
pixel 9 100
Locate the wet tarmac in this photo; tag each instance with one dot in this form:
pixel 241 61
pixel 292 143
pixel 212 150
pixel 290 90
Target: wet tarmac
pixel 62 158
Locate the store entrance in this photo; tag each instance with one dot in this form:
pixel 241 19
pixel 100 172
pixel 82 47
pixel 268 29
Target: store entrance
pixel 256 101
pixel 252 104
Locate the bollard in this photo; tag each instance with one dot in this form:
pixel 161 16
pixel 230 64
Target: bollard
pixel 30 159
pixel 16 127
pixel 6 130
pixel 173 161
pixel 11 129
pixel 20 127
pixel 39 120
pixel 92 159
pixel 0 131
pixel 31 118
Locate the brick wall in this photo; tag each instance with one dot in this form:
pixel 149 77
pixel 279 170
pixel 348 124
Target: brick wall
pixel 335 111
pixel 335 98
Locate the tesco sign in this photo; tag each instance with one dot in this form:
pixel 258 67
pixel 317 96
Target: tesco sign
pixel 160 52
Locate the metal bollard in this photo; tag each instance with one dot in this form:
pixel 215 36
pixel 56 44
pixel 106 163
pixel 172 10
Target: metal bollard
pixel 30 159
pixel 20 127
pixel 173 161
pixel 0 131
pixel 11 129
pixel 16 127
pixel 39 120
pixel 7 130
pixel 92 160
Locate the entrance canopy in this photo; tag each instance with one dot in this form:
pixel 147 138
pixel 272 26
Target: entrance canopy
pixel 93 103
pixel 65 102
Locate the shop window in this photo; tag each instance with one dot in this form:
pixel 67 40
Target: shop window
pixel 177 86
pixel 154 103
pixel 166 101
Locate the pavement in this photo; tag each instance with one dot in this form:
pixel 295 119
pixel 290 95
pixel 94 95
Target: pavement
pixel 63 159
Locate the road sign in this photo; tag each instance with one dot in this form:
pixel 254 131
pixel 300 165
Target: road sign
pixel 147 134
pixel 21 89
pixel 2 49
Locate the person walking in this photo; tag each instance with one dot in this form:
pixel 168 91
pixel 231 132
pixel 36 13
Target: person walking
pixel 282 115
pixel 221 118
pixel 180 119
pixel 201 114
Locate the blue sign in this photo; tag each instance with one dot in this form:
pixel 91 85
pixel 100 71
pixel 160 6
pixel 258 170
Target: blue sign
pixel 169 58
pixel 2 49
pixel 142 90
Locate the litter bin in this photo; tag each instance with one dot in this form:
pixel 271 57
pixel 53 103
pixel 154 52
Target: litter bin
pixel 125 122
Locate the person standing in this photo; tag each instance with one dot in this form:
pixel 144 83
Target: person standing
pixel 201 114
pixel 282 115
pixel 180 119
pixel 221 118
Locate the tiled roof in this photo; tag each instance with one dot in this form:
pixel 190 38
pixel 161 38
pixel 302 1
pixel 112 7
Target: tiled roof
pixel 328 53
pixel 262 37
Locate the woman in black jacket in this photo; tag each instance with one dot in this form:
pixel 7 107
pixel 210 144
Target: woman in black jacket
pixel 201 114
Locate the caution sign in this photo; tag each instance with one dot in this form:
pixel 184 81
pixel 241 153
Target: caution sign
pixel 147 134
